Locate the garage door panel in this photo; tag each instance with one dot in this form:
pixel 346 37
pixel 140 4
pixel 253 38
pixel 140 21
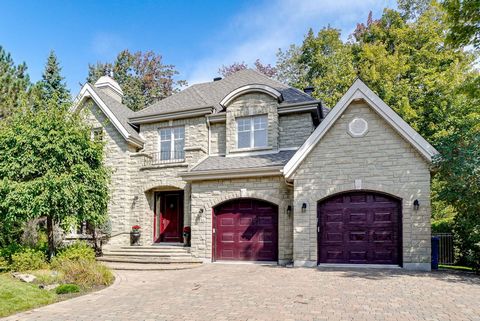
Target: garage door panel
pixel 253 227
pixel 368 233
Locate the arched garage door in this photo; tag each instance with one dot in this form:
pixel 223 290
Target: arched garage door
pixel 359 228
pixel 246 230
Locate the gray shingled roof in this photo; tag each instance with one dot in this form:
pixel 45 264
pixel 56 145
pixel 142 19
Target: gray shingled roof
pixel 122 112
pixel 211 93
pixel 238 162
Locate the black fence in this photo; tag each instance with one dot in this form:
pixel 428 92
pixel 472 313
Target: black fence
pixel 446 251
pixel 164 158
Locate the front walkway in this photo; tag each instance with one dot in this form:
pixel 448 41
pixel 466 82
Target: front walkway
pixel 253 292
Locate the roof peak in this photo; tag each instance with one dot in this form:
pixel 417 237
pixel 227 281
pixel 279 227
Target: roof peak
pixel 107 82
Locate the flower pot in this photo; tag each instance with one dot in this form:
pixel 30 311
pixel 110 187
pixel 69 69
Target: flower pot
pixel 135 238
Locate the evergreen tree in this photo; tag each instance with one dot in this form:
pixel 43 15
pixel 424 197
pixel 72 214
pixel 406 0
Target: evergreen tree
pixel 52 85
pixel 14 84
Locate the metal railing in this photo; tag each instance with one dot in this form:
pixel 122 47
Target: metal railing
pixel 446 251
pixel 164 158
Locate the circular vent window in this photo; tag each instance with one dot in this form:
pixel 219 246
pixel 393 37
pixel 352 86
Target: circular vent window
pixel 358 127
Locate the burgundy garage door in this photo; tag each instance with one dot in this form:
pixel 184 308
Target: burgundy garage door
pixel 246 229
pixel 359 228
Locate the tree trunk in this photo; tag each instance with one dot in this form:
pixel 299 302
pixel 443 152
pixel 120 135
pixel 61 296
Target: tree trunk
pixel 51 237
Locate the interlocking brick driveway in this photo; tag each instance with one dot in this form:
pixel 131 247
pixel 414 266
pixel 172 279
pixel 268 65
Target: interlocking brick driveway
pixel 253 292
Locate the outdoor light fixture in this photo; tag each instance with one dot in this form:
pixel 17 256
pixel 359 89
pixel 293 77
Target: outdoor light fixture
pixel 289 210
pixel 416 205
pixel 200 211
pixel 304 207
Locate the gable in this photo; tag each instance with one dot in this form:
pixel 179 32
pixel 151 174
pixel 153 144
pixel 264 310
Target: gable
pixel 359 92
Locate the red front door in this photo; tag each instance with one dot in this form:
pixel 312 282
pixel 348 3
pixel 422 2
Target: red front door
pixel 246 229
pixel 169 217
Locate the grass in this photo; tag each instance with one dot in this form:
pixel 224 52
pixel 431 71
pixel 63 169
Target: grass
pixel 16 296
pixel 455 267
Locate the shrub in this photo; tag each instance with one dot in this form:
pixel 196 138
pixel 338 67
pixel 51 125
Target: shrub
pixel 48 277
pixel 67 288
pixel 8 251
pixel 444 225
pixel 75 252
pixel 3 264
pixel 85 273
pixel 28 259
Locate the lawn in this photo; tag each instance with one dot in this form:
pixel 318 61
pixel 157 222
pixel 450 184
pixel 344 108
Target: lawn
pixel 16 296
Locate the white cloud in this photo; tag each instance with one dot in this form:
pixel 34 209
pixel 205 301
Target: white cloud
pixel 259 31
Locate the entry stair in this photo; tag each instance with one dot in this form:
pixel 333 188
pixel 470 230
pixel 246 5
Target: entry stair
pixel 155 257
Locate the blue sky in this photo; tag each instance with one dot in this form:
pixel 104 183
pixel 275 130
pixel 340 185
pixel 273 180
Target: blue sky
pixel 195 36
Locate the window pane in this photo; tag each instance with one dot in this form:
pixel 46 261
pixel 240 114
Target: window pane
pixel 260 138
pixel 243 124
pixel 179 132
pixel 243 139
pixel 178 149
pixel 165 150
pixel 165 134
pixel 259 122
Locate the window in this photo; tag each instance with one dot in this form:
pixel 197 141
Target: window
pixel 252 131
pixel 172 141
pixel 97 134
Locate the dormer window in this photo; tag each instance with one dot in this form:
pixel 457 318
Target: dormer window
pixel 172 143
pixel 252 131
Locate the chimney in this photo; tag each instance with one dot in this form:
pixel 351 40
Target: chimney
pixel 110 87
pixel 309 90
pixel 217 78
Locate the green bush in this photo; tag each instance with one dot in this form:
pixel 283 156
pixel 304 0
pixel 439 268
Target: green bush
pixel 3 264
pixel 85 273
pixel 67 288
pixel 28 259
pixel 8 251
pixel 444 225
pixel 75 252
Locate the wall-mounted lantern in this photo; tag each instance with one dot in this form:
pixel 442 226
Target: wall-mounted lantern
pixel 200 211
pixel 304 207
pixel 289 210
pixel 416 205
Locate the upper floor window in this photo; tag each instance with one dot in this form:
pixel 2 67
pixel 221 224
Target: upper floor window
pixel 97 134
pixel 252 131
pixel 172 142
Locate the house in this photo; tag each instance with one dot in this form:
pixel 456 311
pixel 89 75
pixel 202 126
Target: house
pixel 261 171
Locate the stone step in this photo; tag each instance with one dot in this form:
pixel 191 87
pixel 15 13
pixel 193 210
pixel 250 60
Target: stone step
pixel 144 250
pixel 150 267
pixel 148 260
pixel 155 247
pixel 146 254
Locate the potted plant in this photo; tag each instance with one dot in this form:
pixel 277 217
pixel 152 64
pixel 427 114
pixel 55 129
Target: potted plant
pixel 186 236
pixel 135 235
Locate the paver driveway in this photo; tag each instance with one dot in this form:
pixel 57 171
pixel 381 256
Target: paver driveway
pixel 253 292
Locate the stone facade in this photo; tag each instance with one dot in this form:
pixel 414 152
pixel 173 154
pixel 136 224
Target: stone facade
pixel 383 162
pixel 294 129
pixel 218 139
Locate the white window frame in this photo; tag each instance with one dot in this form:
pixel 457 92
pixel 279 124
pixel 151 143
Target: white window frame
pixel 252 131
pixel 172 140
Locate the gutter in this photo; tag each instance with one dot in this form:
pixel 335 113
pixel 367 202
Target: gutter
pixel 189 113
pixel 232 173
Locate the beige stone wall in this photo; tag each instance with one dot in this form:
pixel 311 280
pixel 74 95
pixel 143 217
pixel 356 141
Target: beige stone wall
pixel 294 129
pixel 208 194
pixel 249 105
pixel 117 157
pixel 218 139
pixel 384 162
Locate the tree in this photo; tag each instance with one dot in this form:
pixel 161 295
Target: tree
pixel 464 19
pixel 50 167
pixel 14 83
pixel 266 69
pixel 143 77
pixel 52 83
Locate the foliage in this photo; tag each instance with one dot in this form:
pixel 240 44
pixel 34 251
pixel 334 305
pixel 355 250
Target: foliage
pixel 464 19
pixel 52 85
pixel 47 276
pixel 266 69
pixel 28 259
pixel 67 288
pixel 14 83
pixel 444 225
pixel 16 296
pixel 50 167
pixel 74 252
pixel 142 76
pixel 85 273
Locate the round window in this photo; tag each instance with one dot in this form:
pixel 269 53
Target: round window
pixel 358 127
